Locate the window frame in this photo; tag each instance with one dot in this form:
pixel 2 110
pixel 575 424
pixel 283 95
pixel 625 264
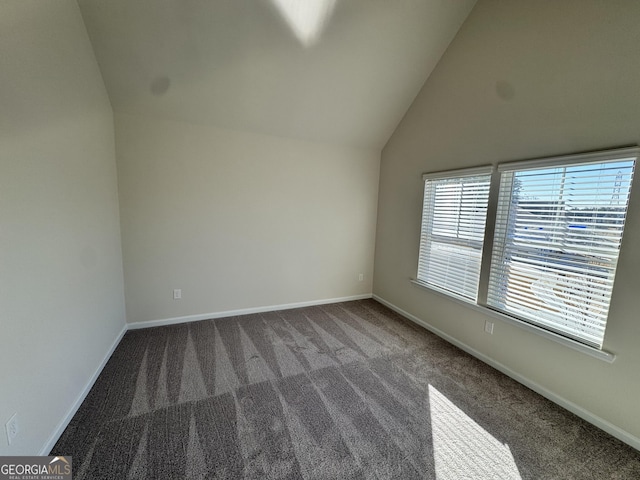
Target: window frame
pixel 454 175
pixel 481 304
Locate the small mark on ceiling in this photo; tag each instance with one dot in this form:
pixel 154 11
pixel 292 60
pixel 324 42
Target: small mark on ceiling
pixel 505 90
pixel 160 85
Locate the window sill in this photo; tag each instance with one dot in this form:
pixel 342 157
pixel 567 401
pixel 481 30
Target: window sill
pixel 593 352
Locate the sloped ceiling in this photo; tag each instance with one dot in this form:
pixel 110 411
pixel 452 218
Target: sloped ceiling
pixel 334 71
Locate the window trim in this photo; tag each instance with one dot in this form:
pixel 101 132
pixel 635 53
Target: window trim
pixel 574 159
pixel 462 172
pixel 481 304
pixel 529 327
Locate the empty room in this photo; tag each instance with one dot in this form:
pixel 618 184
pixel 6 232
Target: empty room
pixel 319 239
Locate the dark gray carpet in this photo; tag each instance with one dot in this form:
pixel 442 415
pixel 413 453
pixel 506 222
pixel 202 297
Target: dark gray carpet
pixel 342 391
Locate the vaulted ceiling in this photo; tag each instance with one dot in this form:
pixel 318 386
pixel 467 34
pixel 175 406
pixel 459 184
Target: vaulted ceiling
pixel 335 71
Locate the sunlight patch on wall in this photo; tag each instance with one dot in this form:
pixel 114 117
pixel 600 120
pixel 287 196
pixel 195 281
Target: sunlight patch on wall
pixel 461 445
pixel 306 18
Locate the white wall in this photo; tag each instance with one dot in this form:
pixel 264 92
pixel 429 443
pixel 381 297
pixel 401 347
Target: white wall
pixel 61 288
pixel 239 220
pixel 523 80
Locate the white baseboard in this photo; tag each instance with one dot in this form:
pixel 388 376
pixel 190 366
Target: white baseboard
pixel 243 311
pixel 53 438
pixel 601 423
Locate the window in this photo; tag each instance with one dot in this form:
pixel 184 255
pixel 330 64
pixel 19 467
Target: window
pixel 556 244
pixel 558 231
pixel 453 222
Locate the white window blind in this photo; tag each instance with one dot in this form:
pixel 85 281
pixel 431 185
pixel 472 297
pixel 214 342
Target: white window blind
pixel 557 238
pixel 453 223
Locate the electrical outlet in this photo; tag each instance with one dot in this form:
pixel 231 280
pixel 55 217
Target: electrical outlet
pixel 361 277
pixel 488 327
pixel 12 428
pixel 177 294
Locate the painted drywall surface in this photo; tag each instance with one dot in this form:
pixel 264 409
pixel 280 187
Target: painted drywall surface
pixel 237 220
pixel 523 80
pixel 61 282
pixel 239 65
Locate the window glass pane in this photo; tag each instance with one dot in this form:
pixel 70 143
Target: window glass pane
pixel 453 223
pixel 557 239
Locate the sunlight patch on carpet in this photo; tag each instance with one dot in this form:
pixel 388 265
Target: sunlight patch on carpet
pixel 462 445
